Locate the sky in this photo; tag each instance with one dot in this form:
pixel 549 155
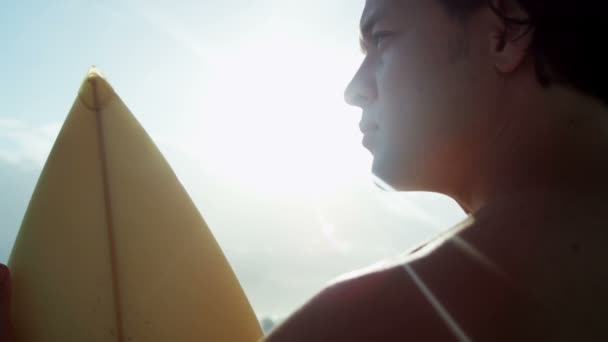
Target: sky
pixel 245 100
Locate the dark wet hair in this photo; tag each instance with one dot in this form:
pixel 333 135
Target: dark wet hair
pixel 567 43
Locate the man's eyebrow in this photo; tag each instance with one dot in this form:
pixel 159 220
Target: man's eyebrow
pixel 370 18
pixel 368 21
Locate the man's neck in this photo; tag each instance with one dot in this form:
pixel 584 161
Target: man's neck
pixel 564 149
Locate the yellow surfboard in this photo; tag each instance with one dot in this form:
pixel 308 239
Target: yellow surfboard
pixel 112 249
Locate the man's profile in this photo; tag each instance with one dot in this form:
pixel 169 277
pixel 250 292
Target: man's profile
pixel 501 105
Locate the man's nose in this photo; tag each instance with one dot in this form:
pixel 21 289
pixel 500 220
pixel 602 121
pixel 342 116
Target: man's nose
pixel 361 91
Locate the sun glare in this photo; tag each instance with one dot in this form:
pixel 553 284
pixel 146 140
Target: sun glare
pixel 275 120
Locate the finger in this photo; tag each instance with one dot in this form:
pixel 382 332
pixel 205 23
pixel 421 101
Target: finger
pixel 5 308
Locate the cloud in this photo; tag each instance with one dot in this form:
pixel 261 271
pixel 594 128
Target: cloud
pixel 25 144
pixel 17 185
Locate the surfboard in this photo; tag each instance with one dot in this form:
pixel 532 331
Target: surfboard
pixel 112 248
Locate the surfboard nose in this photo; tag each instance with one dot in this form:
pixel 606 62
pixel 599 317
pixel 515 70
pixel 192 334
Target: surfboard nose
pixel 112 247
pixel 95 91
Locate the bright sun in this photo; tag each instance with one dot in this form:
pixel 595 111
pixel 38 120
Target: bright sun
pixel 276 121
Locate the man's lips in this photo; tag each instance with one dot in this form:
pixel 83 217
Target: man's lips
pixel 368 127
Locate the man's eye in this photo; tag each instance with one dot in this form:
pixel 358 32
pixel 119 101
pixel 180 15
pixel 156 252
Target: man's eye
pixel 379 37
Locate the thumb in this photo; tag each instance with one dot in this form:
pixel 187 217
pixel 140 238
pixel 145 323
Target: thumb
pixel 5 296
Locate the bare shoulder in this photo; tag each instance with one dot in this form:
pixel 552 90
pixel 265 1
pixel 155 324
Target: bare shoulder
pixel 550 249
pixel 519 270
pixel 439 294
pixel 377 306
pixel 539 238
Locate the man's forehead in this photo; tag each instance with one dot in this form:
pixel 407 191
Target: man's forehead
pixel 373 4
pixel 377 8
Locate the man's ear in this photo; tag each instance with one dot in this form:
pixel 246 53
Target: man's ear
pixel 511 35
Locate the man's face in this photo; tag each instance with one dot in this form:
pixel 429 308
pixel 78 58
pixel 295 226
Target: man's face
pixel 423 90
